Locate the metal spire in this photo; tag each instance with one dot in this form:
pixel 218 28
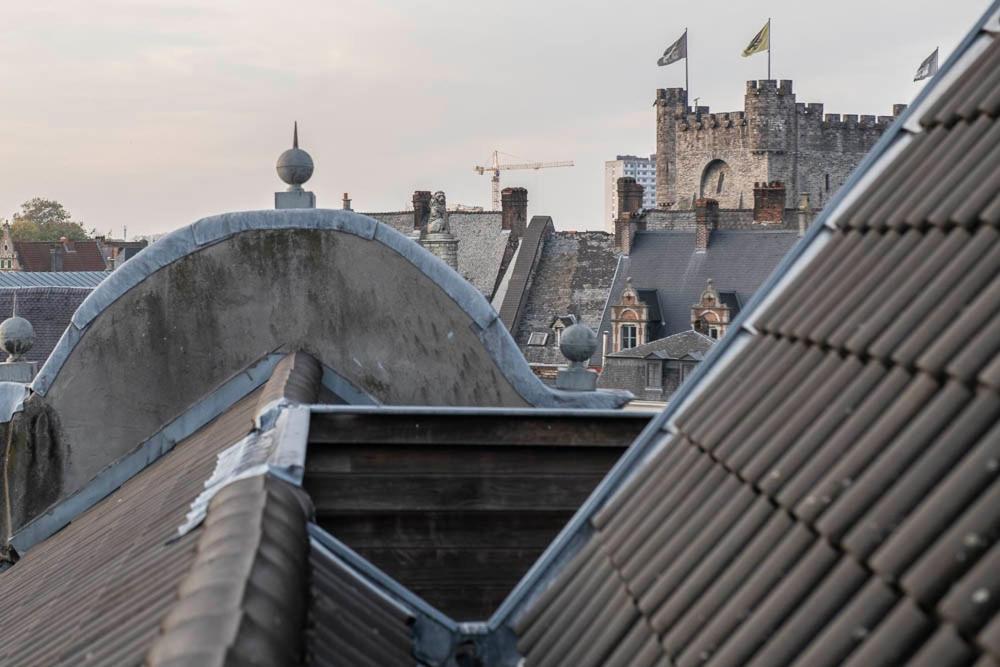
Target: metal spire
pixel 295 135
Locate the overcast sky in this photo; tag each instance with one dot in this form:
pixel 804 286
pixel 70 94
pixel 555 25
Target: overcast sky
pixel 152 114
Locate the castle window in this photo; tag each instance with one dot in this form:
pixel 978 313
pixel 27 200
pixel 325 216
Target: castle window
pixel 722 179
pixel 628 336
pixel 537 338
pixel 827 177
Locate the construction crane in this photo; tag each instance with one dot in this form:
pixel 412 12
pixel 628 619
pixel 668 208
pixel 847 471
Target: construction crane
pixel 497 167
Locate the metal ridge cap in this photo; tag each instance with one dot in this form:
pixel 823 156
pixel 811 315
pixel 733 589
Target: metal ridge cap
pixel 382 581
pixel 467 411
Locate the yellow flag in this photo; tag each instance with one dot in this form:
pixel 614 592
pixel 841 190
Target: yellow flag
pixel 760 42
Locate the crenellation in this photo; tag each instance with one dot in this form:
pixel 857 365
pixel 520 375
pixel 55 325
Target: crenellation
pixel 774 138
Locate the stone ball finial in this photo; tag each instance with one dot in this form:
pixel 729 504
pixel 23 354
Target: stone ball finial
pixel 16 336
pixel 295 166
pixel 578 343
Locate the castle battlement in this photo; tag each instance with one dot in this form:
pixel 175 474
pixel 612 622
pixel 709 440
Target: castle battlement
pixel 774 138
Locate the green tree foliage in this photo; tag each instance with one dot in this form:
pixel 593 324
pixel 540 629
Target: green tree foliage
pixel 45 220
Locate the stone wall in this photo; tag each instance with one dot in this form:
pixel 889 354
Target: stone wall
pixel 773 138
pixel 631 373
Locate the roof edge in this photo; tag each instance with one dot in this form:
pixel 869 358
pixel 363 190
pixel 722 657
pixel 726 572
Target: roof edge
pixel 567 543
pixel 203 233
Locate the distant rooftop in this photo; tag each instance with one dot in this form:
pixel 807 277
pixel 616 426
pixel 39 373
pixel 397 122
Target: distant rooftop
pixel 88 279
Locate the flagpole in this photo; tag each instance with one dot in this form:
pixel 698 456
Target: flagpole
pixel 687 49
pixel 769 47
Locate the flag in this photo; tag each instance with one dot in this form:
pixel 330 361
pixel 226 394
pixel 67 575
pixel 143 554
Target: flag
pixel 676 51
pixel 928 68
pixel 760 42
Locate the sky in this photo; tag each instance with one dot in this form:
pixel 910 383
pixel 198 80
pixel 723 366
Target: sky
pixel 153 114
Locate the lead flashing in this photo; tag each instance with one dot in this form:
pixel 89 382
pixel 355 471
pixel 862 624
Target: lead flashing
pixel 12 395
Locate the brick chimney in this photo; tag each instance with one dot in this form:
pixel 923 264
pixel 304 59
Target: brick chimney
pixel 56 257
pixel 514 207
pixel 769 203
pixel 628 221
pixel 706 219
pixel 421 208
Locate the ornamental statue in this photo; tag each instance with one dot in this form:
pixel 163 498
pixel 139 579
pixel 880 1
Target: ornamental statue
pixel 437 223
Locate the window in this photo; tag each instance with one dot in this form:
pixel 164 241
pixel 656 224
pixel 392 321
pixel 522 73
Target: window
pixel 722 179
pixel 628 336
pixel 713 332
pixel 537 338
pixel 653 375
pixel 827 177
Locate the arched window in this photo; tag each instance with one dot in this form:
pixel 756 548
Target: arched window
pixel 629 336
pixel 713 179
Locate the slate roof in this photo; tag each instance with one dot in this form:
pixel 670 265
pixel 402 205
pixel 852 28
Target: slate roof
pixel 481 243
pixel 684 345
pixel 737 261
pixel 825 490
pixel 36 256
pixel 572 276
pixel 49 309
pixel 89 279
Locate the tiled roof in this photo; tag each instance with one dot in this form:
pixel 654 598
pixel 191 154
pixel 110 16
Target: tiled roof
pixel 97 591
pixel 684 345
pixel 572 277
pixel 89 279
pixel 37 256
pixel 49 309
pixel 828 492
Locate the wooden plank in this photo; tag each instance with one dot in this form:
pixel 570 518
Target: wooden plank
pixel 526 530
pixel 415 430
pixel 344 458
pixel 424 492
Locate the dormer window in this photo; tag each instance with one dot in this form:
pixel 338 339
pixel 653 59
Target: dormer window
pixel 629 336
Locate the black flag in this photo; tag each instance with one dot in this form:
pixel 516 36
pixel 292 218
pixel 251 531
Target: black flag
pixel 676 51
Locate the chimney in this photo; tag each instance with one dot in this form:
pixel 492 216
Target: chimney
pixel 706 218
pixel 421 208
pixel 347 202
pixel 804 213
pixel 514 210
pixel 628 220
pixel 56 258
pixel 769 203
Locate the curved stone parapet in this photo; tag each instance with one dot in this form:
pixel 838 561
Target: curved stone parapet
pixel 387 320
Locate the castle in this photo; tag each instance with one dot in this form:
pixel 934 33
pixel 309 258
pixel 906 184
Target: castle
pixel 723 155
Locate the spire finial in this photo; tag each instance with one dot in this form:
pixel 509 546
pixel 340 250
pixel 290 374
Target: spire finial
pixel 295 135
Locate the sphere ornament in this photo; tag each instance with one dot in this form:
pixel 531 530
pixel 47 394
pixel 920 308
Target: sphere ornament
pixel 295 166
pixel 16 336
pixel 578 343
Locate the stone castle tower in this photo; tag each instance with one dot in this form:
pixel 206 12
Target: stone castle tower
pixel 723 155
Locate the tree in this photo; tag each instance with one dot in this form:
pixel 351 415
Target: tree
pixel 45 220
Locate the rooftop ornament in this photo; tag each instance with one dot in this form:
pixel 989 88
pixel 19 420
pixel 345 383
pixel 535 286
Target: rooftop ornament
pixel 578 344
pixel 17 336
pixel 295 166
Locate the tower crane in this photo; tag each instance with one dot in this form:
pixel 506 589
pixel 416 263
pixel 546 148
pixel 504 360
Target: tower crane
pixel 497 167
